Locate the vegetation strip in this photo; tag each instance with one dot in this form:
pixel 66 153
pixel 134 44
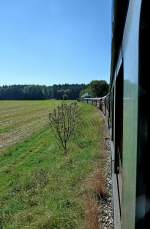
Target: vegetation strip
pixel 42 188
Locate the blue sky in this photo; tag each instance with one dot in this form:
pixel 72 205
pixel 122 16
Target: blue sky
pixel 54 41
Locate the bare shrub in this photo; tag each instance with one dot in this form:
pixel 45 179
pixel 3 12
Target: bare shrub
pixel 63 121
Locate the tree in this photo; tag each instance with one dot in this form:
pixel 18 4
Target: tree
pixel 99 88
pixel 96 88
pixel 63 121
pixel 86 91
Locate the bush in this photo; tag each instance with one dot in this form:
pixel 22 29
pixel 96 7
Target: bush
pixel 63 121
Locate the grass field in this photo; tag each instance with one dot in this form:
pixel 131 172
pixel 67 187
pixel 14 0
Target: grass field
pixel 20 119
pixel 39 186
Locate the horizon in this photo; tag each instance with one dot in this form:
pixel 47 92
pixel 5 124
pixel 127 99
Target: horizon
pixel 49 43
pixel 50 85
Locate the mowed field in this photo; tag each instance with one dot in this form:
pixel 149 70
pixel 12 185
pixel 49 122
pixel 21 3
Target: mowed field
pixel 39 186
pixel 20 119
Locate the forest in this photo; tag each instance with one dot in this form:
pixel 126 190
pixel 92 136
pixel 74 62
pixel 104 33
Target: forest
pixel 34 92
pixel 96 88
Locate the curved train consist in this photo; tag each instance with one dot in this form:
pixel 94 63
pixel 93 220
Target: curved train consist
pixel 127 110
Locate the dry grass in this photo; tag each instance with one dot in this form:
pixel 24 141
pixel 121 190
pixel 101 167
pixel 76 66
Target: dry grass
pixel 92 213
pixel 96 189
pixel 97 184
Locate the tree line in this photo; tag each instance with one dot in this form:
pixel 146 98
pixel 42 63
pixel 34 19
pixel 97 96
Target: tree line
pixel 96 88
pixel 23 92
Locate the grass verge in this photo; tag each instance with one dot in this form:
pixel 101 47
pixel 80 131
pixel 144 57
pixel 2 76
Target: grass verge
pixel 42 188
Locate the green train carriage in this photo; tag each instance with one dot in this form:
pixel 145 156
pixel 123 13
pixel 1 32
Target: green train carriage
pixel 129 110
